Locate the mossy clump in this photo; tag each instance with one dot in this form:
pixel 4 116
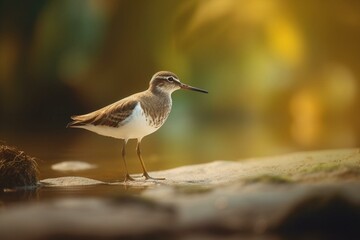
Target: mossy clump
pixel 274 179
pixel 195 189
pixel 321 167
pixel 16 168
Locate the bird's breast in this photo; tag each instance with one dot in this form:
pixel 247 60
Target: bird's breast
pixel 157 116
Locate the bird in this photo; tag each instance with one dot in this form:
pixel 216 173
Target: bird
pixel 135 116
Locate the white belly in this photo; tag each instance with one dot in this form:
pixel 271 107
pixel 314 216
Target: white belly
pixel 135 126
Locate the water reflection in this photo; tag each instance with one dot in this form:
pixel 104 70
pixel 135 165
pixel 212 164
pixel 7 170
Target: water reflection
pixel 42 193
pixel 15 196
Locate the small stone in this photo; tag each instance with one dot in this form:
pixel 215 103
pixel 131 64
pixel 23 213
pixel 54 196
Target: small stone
pixel 69 181
pixel 72 166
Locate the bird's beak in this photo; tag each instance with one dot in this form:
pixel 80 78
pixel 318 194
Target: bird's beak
pixel 184 86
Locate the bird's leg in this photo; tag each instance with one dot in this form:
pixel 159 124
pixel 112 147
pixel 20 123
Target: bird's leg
pixel 145 173
pixel 127 176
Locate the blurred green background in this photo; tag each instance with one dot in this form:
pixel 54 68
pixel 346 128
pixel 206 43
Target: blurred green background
pixel 283 76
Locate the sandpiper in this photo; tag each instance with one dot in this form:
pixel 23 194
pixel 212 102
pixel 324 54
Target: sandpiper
pixel 136 116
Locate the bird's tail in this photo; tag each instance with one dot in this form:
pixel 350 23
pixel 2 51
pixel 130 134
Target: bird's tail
pixel 77 122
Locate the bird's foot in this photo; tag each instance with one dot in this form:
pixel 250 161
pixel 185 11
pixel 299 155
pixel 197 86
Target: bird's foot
pixel 129 178
pixel 147 176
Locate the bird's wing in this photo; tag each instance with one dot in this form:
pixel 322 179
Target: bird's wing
pixel 112 116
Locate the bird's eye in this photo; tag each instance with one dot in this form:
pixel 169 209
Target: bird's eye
pixel 170 79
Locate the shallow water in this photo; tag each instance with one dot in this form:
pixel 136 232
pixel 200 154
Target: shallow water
pixel 47 193
pixel 104 153
pixel 170 147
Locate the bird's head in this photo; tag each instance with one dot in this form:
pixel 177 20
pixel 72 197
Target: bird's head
pixel 168 82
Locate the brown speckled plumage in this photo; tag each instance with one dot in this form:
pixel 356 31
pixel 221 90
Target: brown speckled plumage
pixel 156 107
pixel 113 115
pixel 155 103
